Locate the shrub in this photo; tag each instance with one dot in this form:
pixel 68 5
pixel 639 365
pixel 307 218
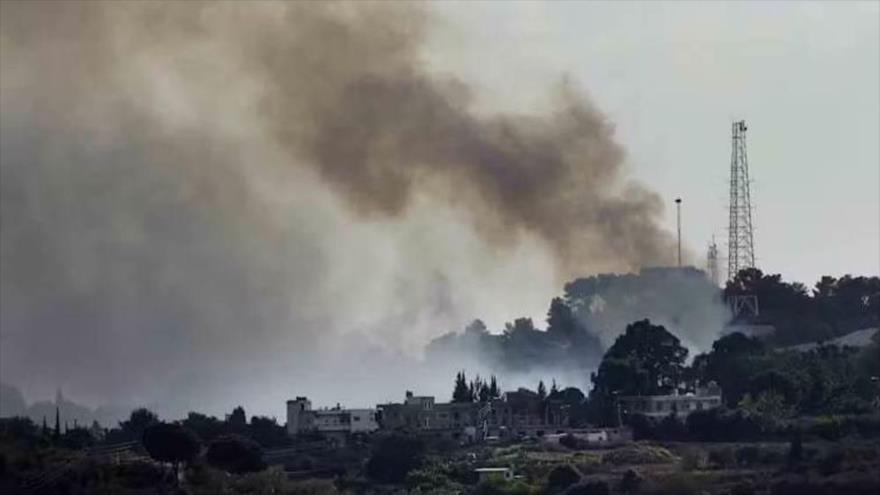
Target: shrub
pixel 722 457
pixel 501 487
pixel 394 456
pixel 638 454
pixel 747 456
pixel 167 442
pixel 595 487
pixel 562 477
pixel 829 428
pixel 630 483
pixel 831 462
pixel 743 488
pixel 569 441
pixel 692 459
pixel 235 454
pixel 671 428
pixel 673 485
pixel 724 425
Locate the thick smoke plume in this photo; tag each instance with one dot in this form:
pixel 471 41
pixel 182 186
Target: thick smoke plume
pixel 198 198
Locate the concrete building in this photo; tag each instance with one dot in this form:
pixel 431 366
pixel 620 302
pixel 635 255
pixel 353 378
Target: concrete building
pixel 336 421
pixel 424 414
pixel 517 413
pixel 678 405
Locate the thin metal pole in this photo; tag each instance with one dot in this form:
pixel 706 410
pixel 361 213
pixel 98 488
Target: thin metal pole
pixel 678 220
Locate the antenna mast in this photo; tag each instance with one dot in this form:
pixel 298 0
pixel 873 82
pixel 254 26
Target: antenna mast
pixel 712 262
pixel 741 246
pixel 678 222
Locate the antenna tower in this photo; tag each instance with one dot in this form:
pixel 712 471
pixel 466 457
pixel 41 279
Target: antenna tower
pixel 741 245
pixel 712 262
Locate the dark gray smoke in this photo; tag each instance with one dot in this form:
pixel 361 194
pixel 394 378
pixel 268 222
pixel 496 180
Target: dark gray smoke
pixel 202 198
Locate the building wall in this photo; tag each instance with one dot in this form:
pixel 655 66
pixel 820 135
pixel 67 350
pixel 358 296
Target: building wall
pixel 664 405
pixel 362 420
pixel 302 418
pixel 299 415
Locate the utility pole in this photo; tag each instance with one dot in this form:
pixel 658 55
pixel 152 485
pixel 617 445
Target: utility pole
pixel 678 221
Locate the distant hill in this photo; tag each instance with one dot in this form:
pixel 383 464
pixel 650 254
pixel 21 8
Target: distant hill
pixel 13 403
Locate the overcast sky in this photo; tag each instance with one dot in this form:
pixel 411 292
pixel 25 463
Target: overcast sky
pixel 178 225
pixel 672 76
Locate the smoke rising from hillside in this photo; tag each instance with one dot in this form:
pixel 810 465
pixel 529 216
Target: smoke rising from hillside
pixel 200 197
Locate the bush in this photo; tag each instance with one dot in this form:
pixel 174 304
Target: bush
pixel 743 488
pixel 166 442
pixel 829 427
pixel 394 456
pixel 501 487
pixel 562 477
pixel 630 483
pixel 831 462
pixel 235 454
pixel 692 459
pixel 638 454
pixel 724 425
pixel 674 485
pixel 595 487
pixel 569 441
pixel 722 457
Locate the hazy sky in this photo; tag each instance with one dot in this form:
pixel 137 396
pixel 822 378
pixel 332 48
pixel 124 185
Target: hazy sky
pixel 198 198
pixel 672 76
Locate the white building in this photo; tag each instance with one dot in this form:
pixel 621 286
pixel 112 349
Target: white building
pixel 301 418
pixel 660 406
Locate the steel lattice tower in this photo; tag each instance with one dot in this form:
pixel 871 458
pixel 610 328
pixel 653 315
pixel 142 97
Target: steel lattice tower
pixel 712 262
pixel 741 243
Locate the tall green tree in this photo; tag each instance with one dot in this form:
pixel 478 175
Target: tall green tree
pixel 138 421
pixel 645 360
pixel 235 454
pixel 461 393
pixel 734 358
pixel 169 442
pixel 494 393
pixel 561 321
pixel 56 434
pixel 237 420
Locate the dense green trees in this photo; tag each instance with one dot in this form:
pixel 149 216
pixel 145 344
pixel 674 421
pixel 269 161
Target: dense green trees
pixel 170 442
pixel 132 429
pixel 235 454
pixel 834 306
pixel 561 477
pixel 521 346
pixel 394 456
pixel 827 379
pixel 478 390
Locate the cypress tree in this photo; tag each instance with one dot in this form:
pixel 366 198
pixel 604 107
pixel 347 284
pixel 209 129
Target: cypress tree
pixel 460 393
